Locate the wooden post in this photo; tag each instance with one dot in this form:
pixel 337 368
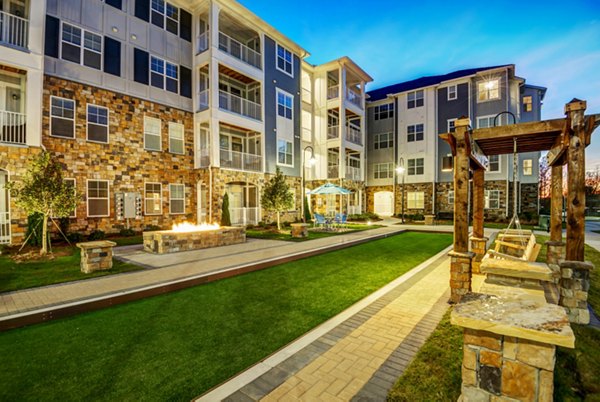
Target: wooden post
pixel 556 204
pixel 576 181
pixel 478 202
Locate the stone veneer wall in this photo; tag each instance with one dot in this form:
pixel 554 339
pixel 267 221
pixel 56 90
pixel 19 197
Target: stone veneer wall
pixel 370 195
pixel 427 188
pixel 320 206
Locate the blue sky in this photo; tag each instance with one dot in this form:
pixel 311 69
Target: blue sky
pixel 555 44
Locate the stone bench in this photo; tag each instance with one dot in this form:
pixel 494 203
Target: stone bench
pixel 96 255
pixel 300 230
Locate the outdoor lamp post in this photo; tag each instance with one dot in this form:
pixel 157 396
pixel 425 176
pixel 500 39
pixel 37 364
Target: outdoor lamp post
pixel 400 170
pixel 311 163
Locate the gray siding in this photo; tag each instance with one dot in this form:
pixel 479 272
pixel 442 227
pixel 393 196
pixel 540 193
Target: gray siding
pixel 375 156
pixel 447 110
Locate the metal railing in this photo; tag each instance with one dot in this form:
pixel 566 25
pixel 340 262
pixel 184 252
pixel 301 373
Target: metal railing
pixel 333 132
pixel 202 42
pixel 203 157
pixel 4 226
pixel 243 216
pixel 354 210
pixel 13 127
pixel 353 134
pixel 236 104
pixel 13 30
pixel 333 172
pixel 353 173
pixel 306 95
pixel 333 92
pixel 203 100
pixel 240 161
pixel 238 50
pixel 354 97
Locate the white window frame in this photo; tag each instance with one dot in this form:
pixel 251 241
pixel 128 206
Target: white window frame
pixel 499 164
pixel 414 126
pixel 415 167
pixel 417 198
pixel 488 91
pixel 455 92
pixel 87 125
pixel 291 62
pixel 166 17
pixel 87 197
pixel 528 170
pixel 160 200
pixel 488 198
pixel 450 122
pixel 173 125
pixel 416 99
pixel 490 118
pixel 292 152
pixel 389 141
pixel 290 108
pixel 164 74
pixel 74 215
pixel 82 46
pixel 388 113
pixel 377 171
pixel 171 199
pixel 451 197
pixel 63 118
pixel 149 118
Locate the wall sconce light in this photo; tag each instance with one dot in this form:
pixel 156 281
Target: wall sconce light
pixel 134 37
pixel 115 29
pixel 16 97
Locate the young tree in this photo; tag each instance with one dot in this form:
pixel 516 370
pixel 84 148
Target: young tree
pixel 225 217
pixel 276 196
pixel 43 191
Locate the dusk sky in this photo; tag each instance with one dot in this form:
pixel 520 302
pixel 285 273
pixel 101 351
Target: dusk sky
pixel 555 44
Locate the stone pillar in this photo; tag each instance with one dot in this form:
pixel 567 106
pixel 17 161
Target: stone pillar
pixel 96 255
pixel 574 287
pixel 555 252
pixel 479 248
pixel 460 275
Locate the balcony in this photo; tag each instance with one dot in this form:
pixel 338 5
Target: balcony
pixel 239 105
pixel 243 216
pixel 13 30
pixel 240 161
pixel 238 50
pixel 203 158
pixel 202 42
pixel 13 128
pixel 353 173
pixel 333 92
pixel 203 100
pixel 354 97
pixel 333 132
pixel 333 172
pixel 353 134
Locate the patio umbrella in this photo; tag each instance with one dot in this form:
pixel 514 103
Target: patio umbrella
pixel 330 188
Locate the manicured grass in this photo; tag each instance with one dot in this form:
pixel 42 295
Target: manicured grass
pixel 286 235
pixel 65 268
pixel 177 346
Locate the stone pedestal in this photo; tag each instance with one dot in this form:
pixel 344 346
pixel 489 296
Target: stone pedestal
pixel 479 248
pixel 574 287
pixel 429 219
pixel 96 255
pixel 555 252
pixel 460 275
pixel 299 230
pixel 509 347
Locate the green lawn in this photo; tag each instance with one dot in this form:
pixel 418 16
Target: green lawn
pixel 65 268
pixel 177 346
pixel 286 235
pixel 435 373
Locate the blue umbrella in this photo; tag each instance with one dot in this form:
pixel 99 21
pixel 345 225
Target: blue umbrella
pixel 330 188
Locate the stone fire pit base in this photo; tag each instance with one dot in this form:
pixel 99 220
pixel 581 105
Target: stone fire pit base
pixel 167 241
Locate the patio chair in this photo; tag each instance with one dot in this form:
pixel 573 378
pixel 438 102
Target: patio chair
pixel 344 221
pixel 320 221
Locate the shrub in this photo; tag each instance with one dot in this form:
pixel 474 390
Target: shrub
pixel 127 232
pixel 97 235
pixel 225 217
pixel 34 229
pixel 74 237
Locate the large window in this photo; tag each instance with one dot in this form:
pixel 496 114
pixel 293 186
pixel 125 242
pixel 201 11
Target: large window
pixel 528 167
pixel 383 112
pixel 488 90
pixel 494 163
pixel 62 117
pixel 176 199
pixel 165 15
pixel 416 166
pixel 153 199
pixel 452 93
pixel 152 140
pixel 383 171
pixel 415 99
pixel 492 199
pixel 415 200
pixel 285 60
pixel 164 75
pixel 97 124
pixel 414 133
pixel 81 47
pixel 285 153
pixel 284 105
pixel 384 140
pixel 176 141
pixel 98 203
pixel 487 121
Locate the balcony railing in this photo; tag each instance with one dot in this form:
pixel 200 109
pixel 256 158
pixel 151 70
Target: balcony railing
pixel 333 172
pixel 239 50
pixel 243 216
pixel 333 132
pixel 203 100
pixel 13 30
pixel 306 95
pixel 352 173
pixel 13 127
pixel 240 161
pixel 236 104
pixel 4 227
pixel 203 157
pixel 333 92
pixel 353 134
pixel 202 42
pixel 354 97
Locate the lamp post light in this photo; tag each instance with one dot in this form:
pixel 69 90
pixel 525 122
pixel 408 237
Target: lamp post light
pixel 400 170
pixel 311 163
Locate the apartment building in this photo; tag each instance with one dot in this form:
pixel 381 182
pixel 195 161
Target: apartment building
pixel 404 122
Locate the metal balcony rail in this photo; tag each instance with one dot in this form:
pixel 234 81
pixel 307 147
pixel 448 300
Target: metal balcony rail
pixel 333 132
pixel 239 50
pixel 203 100
pixel 354 97
pixel 13 127
pixel 239 105
pixel 352 173
pixel 240 161
pixel 333 172
pixel 353 134
pixel 202 42
pixel 333 92
pixel 13 30
pixel 243 216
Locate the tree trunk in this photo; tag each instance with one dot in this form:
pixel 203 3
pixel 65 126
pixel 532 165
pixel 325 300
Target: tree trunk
pixel 278 222
pixel 44 249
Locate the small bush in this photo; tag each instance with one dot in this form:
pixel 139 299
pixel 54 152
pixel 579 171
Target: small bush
pixel 127 232
pixel 74 237
pixel 34 229
pixel 97 235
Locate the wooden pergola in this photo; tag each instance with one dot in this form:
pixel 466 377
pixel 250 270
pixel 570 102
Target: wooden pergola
pixel 564 139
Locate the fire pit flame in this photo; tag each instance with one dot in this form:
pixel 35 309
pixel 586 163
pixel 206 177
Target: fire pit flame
pixel 186 227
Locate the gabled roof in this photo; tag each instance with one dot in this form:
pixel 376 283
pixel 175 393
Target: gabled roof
pixel 382 93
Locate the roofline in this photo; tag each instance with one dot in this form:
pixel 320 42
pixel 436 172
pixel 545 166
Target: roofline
pixel 349 62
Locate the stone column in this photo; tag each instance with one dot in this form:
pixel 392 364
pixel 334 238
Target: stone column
pixel 574 287
pixel 479 248
pixel 460 274
pixel 96 255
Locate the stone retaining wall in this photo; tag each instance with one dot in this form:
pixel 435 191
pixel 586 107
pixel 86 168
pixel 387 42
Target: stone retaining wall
pixel 165 242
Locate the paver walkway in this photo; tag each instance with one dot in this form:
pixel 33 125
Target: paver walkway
pixel 357 355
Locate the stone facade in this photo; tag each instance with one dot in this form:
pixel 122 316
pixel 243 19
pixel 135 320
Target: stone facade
pixel 165 242
pixel 479 248
pixel 370 195
pixel 96 256
pixel 460 275
pixel 574 288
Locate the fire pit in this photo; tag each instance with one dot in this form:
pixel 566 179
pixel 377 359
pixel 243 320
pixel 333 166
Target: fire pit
pixel 186 236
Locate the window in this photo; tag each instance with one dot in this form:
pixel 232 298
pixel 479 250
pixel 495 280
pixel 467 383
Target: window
pixel 415 99
pixel 284 105
pixel 285 153
pixel 165 15
pixel 153 199
pixel 62 117
pixel 528 167
pixel 152 140
pixel 71 183
pixel 384 140
pixel 447 163
pixel 285 60
pixel 416 166
pixel 176 199
pixel 488 90
pixel 176 141
pixel 492 199
pixel 90 54
pixel 527 103
pixel 494 163
pixel 414 133
pixel 164 75
pixel 416 200
pixel 451 125
pixel 486 121
pixel 98 203
pixel 452 93
pixel 97 124
pixel 383 171
pixel 451 197
pixel 383 112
